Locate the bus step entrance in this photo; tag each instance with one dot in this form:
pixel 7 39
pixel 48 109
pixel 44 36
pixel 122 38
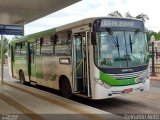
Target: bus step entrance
pixel 80 85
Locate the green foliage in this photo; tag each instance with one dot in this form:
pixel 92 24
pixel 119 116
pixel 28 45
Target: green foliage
pixel 127 14
pixel 150 33
pixel 141 16
pixel 115 14
pixel 5 44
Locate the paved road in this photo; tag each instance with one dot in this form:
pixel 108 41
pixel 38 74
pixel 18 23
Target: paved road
pixel 142 103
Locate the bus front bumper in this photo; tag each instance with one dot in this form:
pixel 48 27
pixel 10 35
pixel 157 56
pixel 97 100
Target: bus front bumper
pixel 101 92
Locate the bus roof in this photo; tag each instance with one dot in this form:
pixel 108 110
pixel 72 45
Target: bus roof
pixel 65 28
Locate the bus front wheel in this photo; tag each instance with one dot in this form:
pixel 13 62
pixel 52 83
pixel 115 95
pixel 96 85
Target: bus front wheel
pixel 66 88
pixel 21 77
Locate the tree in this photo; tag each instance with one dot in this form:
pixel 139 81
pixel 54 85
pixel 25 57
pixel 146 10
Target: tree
pixel 16 37
pixel 5 44
pixel 141 16
pixel 150 33
pixel 115 14
pixel 127 14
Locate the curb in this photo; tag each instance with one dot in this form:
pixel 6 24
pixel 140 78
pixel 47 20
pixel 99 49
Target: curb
pixel 157 77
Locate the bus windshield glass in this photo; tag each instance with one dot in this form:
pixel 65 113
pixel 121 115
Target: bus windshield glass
pixel 121 49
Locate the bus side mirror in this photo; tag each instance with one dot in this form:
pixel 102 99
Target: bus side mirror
pixel 93 38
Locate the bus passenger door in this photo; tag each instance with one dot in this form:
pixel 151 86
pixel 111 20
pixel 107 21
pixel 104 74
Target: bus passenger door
pixel 31 62
pixel 78 63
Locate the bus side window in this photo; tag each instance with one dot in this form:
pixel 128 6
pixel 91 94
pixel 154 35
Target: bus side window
pixel 23 49
pixel 53 43
pixel 63 45
pixel 47 46
pixel 17 49
pixel 38 47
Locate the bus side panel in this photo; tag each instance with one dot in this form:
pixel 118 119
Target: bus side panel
pixel 24 60
pixel 52 70
pixel 13 57
pixel 31 61
pixel 94 73
pixel 19 60
pixel 39 70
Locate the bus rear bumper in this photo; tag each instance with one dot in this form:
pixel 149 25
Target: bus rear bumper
pixel 114 91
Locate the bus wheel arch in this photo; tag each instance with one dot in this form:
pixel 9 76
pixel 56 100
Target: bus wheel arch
pixel 22 77
pixel 65 86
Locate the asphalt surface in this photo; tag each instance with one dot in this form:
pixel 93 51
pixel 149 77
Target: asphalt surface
pixel 134 103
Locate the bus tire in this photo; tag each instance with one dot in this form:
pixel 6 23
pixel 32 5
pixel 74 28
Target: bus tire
pixel 22 77
pixel 66 88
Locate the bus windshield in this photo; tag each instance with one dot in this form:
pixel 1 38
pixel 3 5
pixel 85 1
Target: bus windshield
pixel 121 49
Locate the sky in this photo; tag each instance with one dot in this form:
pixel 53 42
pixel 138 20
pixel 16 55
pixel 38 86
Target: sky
pixel 97 8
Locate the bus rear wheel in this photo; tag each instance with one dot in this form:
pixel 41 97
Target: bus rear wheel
pixel 22 78
pixel 66 89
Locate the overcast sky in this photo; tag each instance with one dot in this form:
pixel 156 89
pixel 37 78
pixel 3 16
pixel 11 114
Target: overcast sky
pixel 96 8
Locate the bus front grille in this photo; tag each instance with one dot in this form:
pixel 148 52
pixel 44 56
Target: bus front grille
pixel 127 75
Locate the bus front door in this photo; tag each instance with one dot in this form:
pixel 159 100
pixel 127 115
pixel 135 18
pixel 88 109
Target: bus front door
pixel 79 64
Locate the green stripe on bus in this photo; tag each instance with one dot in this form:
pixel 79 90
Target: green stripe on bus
pixel 114 82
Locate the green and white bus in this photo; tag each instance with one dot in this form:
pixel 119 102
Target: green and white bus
pixel 96 58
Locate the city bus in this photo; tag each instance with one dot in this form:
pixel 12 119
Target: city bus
pixel 96 58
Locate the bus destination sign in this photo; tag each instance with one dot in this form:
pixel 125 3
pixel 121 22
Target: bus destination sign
pixel 121 23
pixel 11 29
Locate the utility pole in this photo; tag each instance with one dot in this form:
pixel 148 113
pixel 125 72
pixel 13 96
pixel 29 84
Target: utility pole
pixel 1 58
pixel 153 62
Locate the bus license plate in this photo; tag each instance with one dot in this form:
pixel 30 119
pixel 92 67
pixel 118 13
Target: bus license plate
pixel 128 90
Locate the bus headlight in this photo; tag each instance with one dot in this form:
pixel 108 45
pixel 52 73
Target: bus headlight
pixel 143 77
pixel 102 83
pixel 140 80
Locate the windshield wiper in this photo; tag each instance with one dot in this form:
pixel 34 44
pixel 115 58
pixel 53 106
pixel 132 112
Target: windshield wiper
pixel 136 33
pixel 112 36
pixel 117 45
pixel 130 43
pixel 115 41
